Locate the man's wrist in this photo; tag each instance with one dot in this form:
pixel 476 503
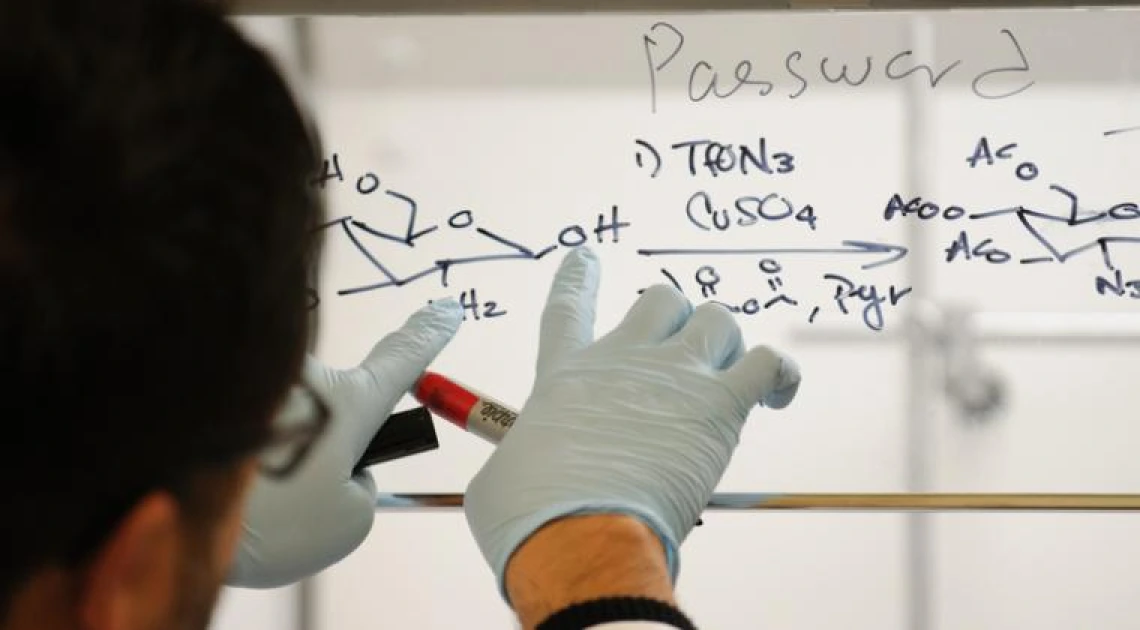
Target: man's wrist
pixel 582 558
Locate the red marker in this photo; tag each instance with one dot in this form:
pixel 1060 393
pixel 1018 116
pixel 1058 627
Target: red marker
pixel 471 411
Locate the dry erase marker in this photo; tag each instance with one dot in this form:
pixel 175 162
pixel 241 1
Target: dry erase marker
pixel 469 410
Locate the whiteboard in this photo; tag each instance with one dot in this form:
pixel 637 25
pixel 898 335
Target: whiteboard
pixel 852 184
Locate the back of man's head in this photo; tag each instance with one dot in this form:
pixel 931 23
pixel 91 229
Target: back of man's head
pixel 156 231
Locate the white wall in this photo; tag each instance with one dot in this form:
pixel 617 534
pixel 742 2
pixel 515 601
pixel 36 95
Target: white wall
pixel 530 122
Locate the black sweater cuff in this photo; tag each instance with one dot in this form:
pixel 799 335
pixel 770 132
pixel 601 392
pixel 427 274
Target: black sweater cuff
pixel 611 609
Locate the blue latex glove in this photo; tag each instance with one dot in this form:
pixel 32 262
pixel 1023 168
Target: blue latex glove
pixel 298 526
pixel 641 422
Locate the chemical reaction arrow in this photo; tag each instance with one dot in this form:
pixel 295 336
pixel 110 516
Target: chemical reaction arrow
pixel 891 253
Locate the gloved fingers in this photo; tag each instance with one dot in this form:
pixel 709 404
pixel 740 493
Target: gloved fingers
pixel 568 318
pixel 367 484
pixel 354 516
pixel 712 335
pixel 659 312
pixel 359 508
pixel 735 355
pixel 398 360
pixel 765 376
pixel 415 344
pixel 787 385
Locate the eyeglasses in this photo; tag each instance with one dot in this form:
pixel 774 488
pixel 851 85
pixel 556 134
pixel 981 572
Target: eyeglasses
pixel 303 419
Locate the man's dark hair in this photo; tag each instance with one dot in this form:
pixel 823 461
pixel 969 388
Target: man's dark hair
pixel 156 234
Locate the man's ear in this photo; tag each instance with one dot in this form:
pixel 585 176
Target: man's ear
pixel 131 580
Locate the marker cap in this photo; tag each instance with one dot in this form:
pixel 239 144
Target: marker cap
pixel 446 398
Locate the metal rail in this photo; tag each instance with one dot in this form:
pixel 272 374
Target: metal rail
pixel 891 502
pixel 429 7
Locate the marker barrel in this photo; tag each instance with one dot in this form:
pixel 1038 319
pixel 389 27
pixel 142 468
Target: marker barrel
pixel 466 408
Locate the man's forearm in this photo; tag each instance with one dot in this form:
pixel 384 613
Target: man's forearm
pixel 582 558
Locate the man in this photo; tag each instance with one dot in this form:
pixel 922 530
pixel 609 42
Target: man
pixel 156 232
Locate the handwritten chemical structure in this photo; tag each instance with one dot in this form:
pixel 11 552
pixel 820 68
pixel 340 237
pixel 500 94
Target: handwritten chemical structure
pixel 765 229
pixel 607 228
pixel 964 248
pixel 703 211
